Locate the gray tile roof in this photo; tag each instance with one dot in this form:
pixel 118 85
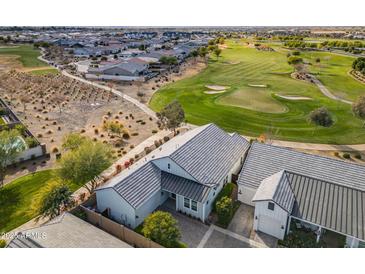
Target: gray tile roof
pixel 138 186
pixel 207 153
pixel 67 231
pixel 20 241
pixel 265 160
pixel 330 205
pixel 276 188
pixel 184 187
pixel 210 154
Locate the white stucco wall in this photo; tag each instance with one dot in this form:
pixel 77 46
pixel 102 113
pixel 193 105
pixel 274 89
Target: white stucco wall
pixel 278 218
pixel 157 199
pixel 113 77
pixel 27 154
pixel 180 206
pixel 235 169
pixel 162 164
pixel 245 194
pixel 352 242
pixel 120 210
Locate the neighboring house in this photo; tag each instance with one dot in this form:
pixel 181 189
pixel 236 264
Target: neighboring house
pixel 123 71
pixel 191 169
pixel 66 231
pixel 10 120
pixel 324 193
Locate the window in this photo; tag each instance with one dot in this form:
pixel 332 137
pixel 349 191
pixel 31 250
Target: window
pixel 168 165
pixel 271 206
pixel 186 202
pixel 194 205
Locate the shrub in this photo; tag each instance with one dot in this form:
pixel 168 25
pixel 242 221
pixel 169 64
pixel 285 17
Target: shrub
pixel 224 210
pixel 162 228
pixel 293 60
pixel 225 192
pixel 55 150
pixel 346 155
pixel 134 134
pixel 358 156
pixel 118 168
pixel 125 135
pixel 154 131
pixel 31 142
pixel 2 243
pixel 321 117
pixel 166 138
pixel 336 154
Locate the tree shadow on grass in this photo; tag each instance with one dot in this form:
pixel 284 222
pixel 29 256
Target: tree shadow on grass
pixel 9 199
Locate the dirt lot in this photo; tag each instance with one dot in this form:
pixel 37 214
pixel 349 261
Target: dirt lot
pixel 52 106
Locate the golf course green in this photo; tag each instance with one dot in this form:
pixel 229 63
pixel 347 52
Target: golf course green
pixel 251 104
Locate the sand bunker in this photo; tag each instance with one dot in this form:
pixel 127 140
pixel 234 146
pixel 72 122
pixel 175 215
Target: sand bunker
pixel 214 92
pixel 257 86
pixel 214 87
pixel 294 97
pixel 233 62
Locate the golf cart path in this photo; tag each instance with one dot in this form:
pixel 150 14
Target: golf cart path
pixel 326 92
pixel 323 147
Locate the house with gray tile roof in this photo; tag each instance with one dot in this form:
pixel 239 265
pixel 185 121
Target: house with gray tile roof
pixel 323 193
pixel 66 231
pixel 191 169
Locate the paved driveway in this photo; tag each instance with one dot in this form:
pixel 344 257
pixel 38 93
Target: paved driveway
pixel 219 239
pixel 242 222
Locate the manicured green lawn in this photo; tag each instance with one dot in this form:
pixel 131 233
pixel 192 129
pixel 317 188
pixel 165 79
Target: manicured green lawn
pixel 27 55
pixel 254 118
pixel 18 198
pixel 333 71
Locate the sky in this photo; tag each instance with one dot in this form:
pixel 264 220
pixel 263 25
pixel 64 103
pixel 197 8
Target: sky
pixel 183 13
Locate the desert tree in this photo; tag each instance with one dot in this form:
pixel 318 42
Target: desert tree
pixel 171 116
pixel 58 199
pixel 358 108
pixel 217 52
pixel 24 100
pixel 84 164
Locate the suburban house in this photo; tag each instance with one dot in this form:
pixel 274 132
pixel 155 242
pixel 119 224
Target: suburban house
pixel 66 231
pixel 122 71
pixel 190 169
pixel 319 192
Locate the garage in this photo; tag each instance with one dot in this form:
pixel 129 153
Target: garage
pixel 270 226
